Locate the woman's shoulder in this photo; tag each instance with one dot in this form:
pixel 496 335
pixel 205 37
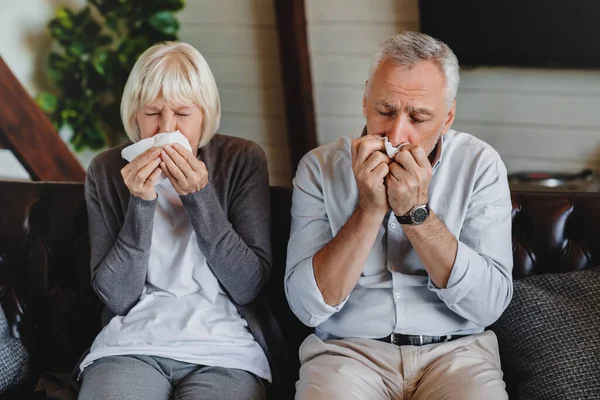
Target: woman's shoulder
pixel 108 161
pixel 231 148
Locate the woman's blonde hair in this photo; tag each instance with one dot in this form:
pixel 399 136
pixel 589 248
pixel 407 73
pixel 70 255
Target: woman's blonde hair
pixel 179 74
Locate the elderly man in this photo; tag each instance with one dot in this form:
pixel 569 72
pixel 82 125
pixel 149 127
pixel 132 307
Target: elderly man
pixel 400 261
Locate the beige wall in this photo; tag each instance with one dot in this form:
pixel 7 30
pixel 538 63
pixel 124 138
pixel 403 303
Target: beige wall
pixel 536 118
pixel 238 39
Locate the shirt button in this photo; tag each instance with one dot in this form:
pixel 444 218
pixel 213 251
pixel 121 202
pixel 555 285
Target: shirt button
pixel 398 295
pixel 392 225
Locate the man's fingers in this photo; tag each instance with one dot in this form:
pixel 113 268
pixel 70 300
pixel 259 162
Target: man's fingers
pixel 357 143
pixel 381 171
pixel 406 159
pixel 375 159
pixel 398 172
pixel 368 147
pixel 419 156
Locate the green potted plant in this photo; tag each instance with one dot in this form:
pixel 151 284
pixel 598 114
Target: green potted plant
pixel 96 48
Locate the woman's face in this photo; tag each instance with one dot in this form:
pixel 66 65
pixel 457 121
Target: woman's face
pixel 159 117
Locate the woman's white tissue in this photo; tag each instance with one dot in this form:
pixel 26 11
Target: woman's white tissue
pixel 160 140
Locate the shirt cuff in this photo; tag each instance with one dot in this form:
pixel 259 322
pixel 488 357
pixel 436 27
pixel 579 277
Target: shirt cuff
pixel 465 273
pixel 311 296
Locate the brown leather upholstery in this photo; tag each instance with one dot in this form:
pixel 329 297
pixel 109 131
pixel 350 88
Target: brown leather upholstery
pixel 45 281
pixel 555 232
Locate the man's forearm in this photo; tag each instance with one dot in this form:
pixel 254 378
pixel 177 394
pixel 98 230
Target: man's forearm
pixel 339 264
pixel 436 248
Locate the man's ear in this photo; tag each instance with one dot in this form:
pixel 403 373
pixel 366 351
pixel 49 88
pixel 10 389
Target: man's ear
pixel 364 107
pixel 450 115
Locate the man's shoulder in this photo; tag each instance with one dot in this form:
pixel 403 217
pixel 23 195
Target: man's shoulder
pixel 329 153
pixel 466 145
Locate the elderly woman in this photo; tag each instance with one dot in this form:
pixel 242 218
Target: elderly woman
pixel 180 245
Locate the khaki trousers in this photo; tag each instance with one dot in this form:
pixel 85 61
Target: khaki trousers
pixel 366 369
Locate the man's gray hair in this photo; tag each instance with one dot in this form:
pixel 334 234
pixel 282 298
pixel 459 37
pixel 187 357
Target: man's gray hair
pixel 410 48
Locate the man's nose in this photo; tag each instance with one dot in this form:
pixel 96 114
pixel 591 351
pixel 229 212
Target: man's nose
pixel 399 132
pixel 168 122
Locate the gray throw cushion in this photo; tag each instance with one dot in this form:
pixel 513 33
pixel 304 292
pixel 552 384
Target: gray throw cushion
pixel 14 359
pixel 549 337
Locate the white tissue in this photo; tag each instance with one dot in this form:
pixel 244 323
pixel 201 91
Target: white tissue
pixel 391 150
pixel 160 140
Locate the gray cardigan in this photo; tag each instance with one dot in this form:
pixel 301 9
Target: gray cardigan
pixel 230 216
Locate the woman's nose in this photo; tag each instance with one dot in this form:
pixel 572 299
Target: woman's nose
pixel 168 123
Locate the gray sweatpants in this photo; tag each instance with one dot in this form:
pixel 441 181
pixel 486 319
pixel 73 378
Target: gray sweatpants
pixel 158 378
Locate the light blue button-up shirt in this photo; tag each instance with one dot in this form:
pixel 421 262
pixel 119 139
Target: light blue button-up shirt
pixel 468 192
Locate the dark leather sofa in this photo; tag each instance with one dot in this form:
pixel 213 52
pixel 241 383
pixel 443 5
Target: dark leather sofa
pixel 45 284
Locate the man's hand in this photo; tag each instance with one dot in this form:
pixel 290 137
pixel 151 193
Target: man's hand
pixel 141 174
pixel 186 173
pixel 370 167
pixel 409 178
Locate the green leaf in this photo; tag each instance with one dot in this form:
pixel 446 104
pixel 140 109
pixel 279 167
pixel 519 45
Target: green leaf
pixel 164 22
pixel 78 48
pixel 47 102
pixel 100 62
pixel 59 32
pixel 77 140
pixel 65 17
pixel 68 116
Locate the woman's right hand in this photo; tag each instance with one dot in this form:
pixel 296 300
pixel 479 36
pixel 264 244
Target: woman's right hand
pixel 141 174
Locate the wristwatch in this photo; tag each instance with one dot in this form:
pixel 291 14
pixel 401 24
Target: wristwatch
pixel 416 216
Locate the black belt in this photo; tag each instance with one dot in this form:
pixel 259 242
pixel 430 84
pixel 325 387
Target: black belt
pixel 417 340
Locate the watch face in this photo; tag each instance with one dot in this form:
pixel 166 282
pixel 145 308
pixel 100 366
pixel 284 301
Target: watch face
pixel 419 215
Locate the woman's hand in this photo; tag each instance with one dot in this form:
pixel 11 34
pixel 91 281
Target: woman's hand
pixel 141 174
pixel 186 173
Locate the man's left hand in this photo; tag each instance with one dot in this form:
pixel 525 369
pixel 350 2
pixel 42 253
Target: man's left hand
pixel 186 173
pixel 408 180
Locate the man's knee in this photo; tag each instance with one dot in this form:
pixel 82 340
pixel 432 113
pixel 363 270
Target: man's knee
pixel 335 377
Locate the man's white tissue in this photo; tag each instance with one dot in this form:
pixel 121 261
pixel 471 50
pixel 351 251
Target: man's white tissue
pixel 391 150
pixel 160 140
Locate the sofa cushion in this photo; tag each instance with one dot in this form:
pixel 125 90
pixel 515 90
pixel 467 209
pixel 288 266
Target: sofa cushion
pixel 14 359
pixel 549 337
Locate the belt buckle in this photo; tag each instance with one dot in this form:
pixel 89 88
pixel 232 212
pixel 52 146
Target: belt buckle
pixel 395 339
pixel 420 337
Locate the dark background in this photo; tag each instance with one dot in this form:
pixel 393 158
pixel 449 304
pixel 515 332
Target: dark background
pixel 523 33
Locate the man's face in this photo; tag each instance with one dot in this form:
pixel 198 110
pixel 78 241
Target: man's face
pixel 407 105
